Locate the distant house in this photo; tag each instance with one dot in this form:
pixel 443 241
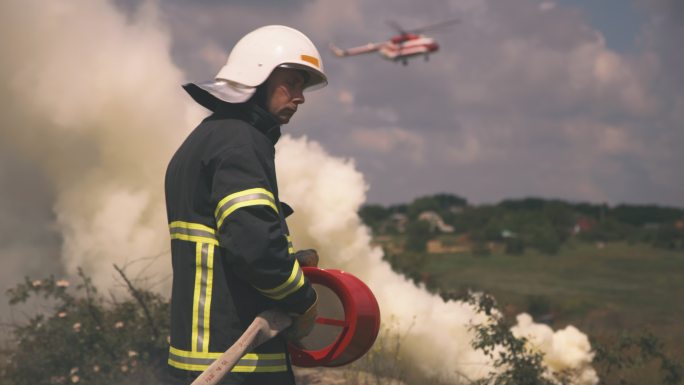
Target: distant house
pixel 436 222
pixel 679 225
pixel 443 246
pixel 398 221
pixel 583 225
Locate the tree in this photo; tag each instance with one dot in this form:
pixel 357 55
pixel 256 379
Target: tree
pixel 417 235
pixel 609 230
pixel 544 239
pixel 668 236
pixel 639 215
pixel 516 362
pixel 374 215
pixel 630 353
pixel 439 203
pixel 514 246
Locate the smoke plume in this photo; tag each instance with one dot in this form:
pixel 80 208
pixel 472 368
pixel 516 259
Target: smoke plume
pixel 92 111
pixel 91 102
pixel 326 199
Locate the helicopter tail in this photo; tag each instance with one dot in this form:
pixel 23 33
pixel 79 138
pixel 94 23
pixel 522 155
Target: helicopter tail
pixel 339 52
pixel 370 47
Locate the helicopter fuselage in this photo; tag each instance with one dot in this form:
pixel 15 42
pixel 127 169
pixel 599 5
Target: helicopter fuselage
pixel 403 47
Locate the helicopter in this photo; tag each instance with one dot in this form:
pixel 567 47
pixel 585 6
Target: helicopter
pixel 408 43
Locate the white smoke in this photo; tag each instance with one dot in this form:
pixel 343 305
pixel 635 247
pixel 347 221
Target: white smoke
pixel 94 101
pixel 91 98
pixel 326 198
pixel 565 349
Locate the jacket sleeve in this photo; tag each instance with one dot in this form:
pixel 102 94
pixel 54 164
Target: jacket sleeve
pixel 248 224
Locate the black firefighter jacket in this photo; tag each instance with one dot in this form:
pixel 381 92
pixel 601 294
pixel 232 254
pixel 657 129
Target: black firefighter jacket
pixel 231 251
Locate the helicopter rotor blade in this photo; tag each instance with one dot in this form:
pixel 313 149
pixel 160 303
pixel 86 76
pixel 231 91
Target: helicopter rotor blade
pixel 435 26
pixel 396 26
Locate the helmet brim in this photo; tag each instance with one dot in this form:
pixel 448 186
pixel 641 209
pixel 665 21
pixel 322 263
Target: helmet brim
pixel 317 79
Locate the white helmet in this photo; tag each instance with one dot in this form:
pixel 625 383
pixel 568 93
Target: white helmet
pixel 257 54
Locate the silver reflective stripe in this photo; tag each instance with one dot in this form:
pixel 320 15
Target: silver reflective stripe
pixel 202 297
pixel 253 363
pixel 250 197
pixel 192 232
pixel 288 289
pixel 261 362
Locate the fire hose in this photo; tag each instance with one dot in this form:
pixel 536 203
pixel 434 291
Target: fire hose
pixel 358 328
pixel 264 327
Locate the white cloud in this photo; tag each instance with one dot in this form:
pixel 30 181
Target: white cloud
pixel 345 97
pixel 461 149
pixel 615 140
pixel 402 142
pixel 547 6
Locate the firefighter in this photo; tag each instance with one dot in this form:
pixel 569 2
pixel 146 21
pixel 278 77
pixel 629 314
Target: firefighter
pixel 231 251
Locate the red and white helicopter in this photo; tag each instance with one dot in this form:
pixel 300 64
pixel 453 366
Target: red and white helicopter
pixel 400 47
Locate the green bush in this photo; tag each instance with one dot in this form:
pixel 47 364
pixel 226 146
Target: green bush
pixel 538 306
pixel 84 339
pixel 545 239
pixel 417 235
pixel 620 360
pixel 81 338
pixel 515 246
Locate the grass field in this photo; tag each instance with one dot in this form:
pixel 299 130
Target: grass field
pixel 602 291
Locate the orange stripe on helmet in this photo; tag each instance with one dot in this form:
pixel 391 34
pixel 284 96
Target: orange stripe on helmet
pixel 312 60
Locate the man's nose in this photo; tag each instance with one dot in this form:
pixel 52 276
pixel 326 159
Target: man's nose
pixel 299 97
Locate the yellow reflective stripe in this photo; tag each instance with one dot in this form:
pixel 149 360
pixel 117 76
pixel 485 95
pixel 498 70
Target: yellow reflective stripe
pixel 192 367
pixel 201 306
pixel 236 369
pixel 292 284
pixel 196 296
pixel 215 355
pixel 192 226
pixel 251 197
pixel 290 247
pixel 193 232
pixel 257 369
pixel 250 363
pixel 209 289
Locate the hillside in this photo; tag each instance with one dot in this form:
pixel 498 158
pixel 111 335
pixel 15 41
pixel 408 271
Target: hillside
pixel 610 271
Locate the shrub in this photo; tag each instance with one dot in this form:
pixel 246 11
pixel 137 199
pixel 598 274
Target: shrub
pixel 85 339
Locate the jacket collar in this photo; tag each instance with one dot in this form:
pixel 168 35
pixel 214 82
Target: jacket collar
pixel 248 112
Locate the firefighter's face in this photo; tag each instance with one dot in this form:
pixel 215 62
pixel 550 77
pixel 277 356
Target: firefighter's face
pixel 284 93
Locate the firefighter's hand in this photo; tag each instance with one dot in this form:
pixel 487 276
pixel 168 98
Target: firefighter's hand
pixel 302 324
pixel 308 257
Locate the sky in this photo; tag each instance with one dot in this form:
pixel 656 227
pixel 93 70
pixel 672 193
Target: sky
pixel 577 100
pixel 573 99
pixel 581 100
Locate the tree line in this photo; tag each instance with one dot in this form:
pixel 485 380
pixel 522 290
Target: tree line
pixel 541 224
